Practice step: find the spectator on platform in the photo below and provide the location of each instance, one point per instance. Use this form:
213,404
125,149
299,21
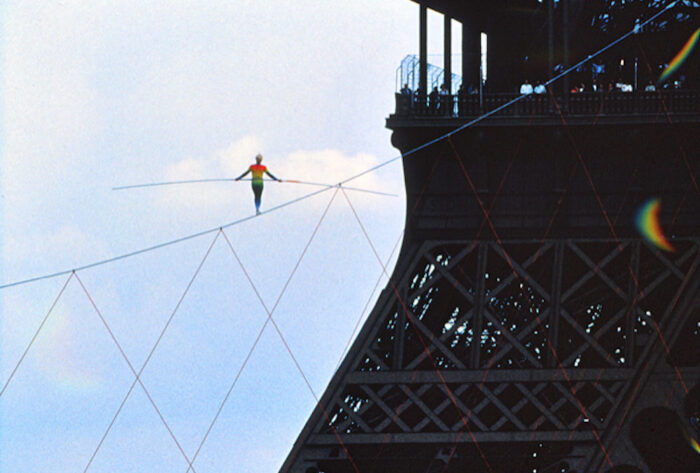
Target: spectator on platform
462,100
419,100
540,88
445,101
526,88
621,86
406,101
433,98
650,87
594,86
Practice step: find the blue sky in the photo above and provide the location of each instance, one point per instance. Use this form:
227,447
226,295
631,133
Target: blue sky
104,93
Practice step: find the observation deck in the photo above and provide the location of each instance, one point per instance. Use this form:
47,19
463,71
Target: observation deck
586,108
607,105
507,42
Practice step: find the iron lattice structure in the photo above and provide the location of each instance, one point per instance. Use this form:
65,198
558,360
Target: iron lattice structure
490,377
527,326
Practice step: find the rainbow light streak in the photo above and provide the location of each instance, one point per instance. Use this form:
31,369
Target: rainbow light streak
691,440
61,360
680,58
695,445
648,225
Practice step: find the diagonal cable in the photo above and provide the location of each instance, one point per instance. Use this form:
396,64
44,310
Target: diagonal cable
160,337
36,334
638,287
131,367
369,301
164,244
268,319
481,228
284,341
473,244
667,114
367,171
542,240
669,119
517,99
647,367
539,322
409,218
448,391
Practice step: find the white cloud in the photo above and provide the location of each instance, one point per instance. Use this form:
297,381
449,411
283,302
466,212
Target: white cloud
328,166
233,157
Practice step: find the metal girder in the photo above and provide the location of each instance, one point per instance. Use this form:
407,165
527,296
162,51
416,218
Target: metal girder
486,376
451,438
412,376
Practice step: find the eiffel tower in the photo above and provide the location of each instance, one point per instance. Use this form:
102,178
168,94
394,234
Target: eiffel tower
527,326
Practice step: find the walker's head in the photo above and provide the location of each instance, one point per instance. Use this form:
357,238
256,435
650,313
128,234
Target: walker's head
258,158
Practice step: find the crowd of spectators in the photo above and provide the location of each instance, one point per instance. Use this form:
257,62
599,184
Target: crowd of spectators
612,86
440,101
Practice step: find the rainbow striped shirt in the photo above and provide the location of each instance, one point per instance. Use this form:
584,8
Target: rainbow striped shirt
257,170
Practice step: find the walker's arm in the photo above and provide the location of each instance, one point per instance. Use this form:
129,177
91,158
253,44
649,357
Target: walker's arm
243,175
273,177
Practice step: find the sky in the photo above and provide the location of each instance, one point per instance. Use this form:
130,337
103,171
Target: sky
102,93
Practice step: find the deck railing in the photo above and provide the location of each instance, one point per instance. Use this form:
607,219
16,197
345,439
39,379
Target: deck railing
584,103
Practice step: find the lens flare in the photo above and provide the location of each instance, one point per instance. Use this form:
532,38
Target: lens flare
62,358
648,225
691,440
680,58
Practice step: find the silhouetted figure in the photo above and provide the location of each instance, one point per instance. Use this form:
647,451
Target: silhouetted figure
445,101
257,170
419,99
433,100
462,100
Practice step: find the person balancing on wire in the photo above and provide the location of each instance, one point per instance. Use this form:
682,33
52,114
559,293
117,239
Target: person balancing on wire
257,170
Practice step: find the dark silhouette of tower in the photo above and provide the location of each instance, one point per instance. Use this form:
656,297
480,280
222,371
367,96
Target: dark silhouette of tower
527,326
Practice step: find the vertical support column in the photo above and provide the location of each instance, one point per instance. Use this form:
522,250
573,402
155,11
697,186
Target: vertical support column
555,308
423,55
448,53
567,85
400,332
550,31
633,294
477,319
471,53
